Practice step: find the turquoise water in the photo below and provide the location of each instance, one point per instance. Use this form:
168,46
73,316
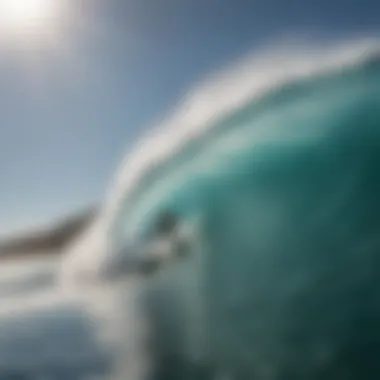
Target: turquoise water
275,176
283,192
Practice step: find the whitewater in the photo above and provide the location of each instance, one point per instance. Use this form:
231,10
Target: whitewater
271,169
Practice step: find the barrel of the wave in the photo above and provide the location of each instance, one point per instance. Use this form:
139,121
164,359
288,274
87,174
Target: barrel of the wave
290,285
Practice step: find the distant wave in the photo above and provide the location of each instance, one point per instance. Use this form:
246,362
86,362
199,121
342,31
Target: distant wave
277,162
22,278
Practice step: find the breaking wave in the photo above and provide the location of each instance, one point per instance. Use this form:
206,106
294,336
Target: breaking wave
275,166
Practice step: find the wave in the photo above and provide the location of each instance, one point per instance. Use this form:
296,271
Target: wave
207,111
275,165
209,107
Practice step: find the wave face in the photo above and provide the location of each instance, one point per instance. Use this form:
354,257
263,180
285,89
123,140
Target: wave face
281,185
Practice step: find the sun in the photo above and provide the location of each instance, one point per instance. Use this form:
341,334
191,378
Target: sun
26,16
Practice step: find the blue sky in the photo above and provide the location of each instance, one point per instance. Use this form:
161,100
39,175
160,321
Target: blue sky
68,112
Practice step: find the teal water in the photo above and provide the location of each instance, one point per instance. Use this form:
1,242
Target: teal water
283,279
280,193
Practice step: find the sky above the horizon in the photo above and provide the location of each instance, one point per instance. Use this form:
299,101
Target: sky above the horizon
82,81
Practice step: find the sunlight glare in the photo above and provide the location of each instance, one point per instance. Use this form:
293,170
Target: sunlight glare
26,16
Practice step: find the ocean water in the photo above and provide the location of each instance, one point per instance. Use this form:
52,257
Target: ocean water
272,170
282,191
43,334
